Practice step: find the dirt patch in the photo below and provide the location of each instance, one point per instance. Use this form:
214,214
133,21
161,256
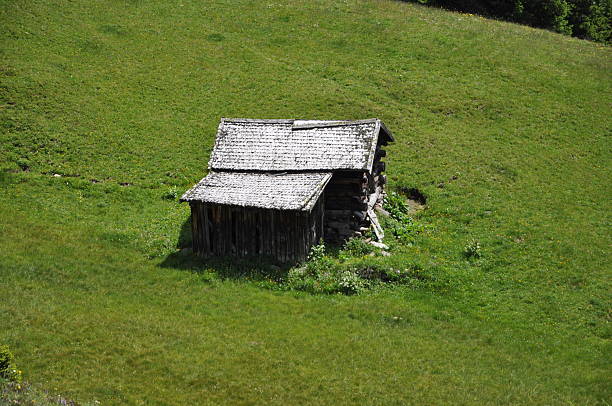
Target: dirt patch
415,199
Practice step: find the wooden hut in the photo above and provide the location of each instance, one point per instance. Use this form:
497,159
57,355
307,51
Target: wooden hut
276,187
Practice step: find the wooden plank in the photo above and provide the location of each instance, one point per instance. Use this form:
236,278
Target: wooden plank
224,247
272,235
220,237
254,238
257,223
222,231
211,231
194,226
216,226
297,237
320,217
347,204
199,234
342,225
214,230
204,229
380,234
275,237
265,226
344,188
246,230
303,242
372,199
291,235
283,235
296,244
238,229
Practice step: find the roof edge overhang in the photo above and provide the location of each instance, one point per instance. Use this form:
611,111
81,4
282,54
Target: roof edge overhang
306,205
311,201
257,120
284,171
237,206
308,124
385,130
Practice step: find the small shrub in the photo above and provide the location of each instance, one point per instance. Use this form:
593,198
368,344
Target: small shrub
472,249
215,37
172,193
13,393
357,247
322,274
395,204
8,369
399,223
24,164
328,274
350,283
317,251
303,279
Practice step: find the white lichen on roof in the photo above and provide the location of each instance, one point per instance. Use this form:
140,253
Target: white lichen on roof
296,145
283,191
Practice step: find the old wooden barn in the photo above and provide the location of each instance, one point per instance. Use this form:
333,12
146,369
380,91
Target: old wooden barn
276,187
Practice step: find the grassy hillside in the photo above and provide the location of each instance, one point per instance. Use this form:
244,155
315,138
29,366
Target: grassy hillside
109,107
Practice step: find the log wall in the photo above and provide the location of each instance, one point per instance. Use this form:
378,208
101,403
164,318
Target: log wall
348,197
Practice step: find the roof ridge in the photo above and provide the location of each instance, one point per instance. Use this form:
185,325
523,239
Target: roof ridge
314,123
257,120
331,123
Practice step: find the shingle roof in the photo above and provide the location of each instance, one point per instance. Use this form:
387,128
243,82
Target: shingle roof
284,191
296,145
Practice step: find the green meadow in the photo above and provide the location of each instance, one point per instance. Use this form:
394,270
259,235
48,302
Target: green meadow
108,112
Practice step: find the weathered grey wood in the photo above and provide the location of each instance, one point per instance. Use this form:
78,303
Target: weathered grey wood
359,214
376,226
195,232
285,213
338,213
204,236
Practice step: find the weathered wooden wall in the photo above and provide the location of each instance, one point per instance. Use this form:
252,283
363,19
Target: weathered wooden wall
348,197
242,231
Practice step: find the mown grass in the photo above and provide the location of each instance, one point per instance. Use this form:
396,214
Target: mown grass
504,128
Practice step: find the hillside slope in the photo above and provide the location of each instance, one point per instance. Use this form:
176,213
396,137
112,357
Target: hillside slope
109,108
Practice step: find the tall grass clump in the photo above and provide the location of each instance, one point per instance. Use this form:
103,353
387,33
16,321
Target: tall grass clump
323,274
8,368
399,222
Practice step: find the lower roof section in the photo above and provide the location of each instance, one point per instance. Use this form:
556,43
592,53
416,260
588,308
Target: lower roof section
281,191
